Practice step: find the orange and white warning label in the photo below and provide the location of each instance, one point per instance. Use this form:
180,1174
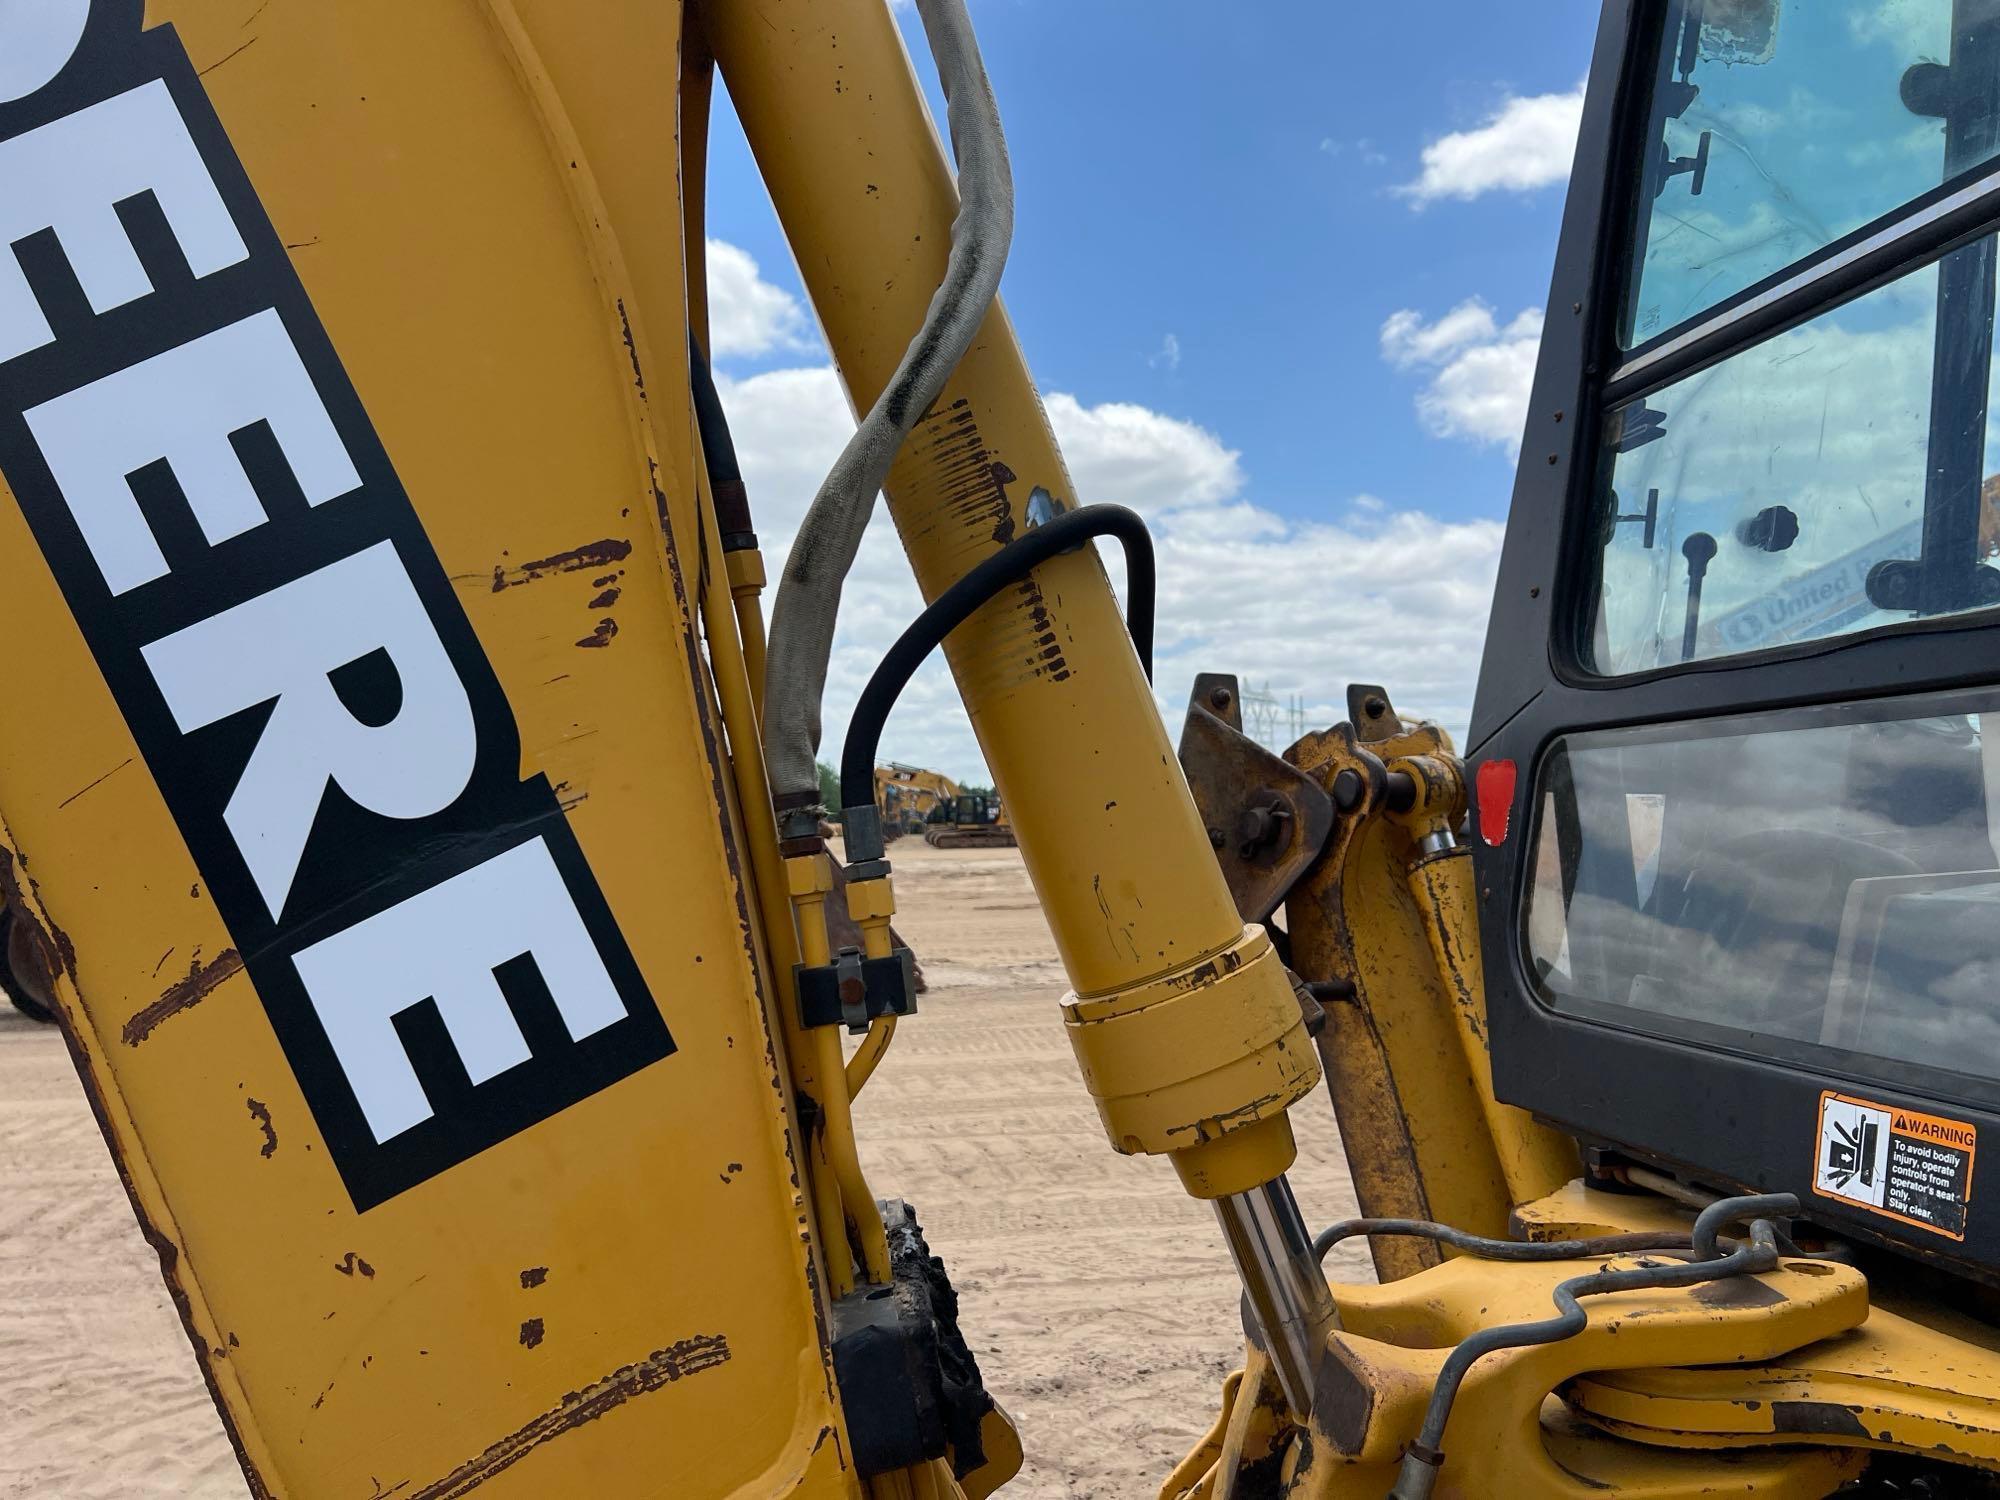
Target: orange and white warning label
1915,1168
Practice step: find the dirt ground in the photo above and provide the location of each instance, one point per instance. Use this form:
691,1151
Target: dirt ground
1096,1295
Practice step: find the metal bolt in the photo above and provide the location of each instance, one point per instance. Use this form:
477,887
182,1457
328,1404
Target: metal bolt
1262,825
1349,786
1215,838
1220,698
1375,707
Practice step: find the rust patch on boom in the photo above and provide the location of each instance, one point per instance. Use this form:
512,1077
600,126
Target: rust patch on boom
598,555
964,484
261,1113
183,994
660,1368
971,482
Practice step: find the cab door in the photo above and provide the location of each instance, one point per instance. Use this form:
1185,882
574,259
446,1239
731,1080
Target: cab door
1739,839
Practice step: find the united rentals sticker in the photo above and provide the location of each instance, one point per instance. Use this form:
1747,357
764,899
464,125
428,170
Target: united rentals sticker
427,938
1914,1168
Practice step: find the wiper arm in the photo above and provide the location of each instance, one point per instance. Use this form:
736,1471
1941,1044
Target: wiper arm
1699,550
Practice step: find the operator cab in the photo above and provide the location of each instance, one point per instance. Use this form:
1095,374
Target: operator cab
969,809
1739,834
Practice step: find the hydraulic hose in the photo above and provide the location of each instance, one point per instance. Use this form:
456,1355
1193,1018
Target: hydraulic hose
718,451
1482,1248
952,608
1424,1458
808,595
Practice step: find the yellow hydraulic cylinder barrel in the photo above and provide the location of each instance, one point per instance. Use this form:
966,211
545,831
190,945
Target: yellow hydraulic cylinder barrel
1534,1159
1191,1015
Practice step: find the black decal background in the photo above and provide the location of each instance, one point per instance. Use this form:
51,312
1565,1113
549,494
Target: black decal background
356,863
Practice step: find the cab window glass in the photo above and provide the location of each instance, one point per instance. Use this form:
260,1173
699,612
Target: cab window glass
1825,880
1825,481
1777,126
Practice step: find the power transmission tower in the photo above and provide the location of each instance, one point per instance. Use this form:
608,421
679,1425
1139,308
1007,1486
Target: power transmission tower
1264,718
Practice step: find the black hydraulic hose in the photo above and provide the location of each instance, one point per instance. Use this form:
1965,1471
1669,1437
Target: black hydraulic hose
717,446
718,451
1424,1458
1509,1250
955,605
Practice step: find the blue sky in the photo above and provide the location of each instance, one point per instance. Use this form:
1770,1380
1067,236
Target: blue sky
1231,238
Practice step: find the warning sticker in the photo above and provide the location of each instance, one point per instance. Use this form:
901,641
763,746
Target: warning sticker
1898,1163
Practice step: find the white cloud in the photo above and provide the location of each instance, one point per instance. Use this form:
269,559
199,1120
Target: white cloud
1290,603
1526,143
1918,28
1168,356
747,315
1479,371
1131,455
1241,588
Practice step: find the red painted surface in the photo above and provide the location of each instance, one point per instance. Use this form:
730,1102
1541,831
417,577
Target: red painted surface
1495,787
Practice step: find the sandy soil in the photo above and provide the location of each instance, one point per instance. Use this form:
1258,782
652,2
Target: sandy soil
1097,1297
100,1398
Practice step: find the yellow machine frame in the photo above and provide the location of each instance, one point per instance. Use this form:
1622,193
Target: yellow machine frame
483,221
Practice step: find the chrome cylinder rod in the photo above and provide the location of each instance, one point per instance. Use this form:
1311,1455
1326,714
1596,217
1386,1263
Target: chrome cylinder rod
1282,1282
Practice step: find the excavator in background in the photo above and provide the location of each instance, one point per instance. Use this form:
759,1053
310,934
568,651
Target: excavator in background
908,796
909,799
970,820
400,666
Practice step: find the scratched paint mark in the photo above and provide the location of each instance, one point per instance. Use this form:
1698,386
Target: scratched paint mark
95,784
973,481
631,349
606,599
601,636
660,1369
533,1277
350,1263
591,555
261,1113
183,994
967,494
531,1333
226,57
